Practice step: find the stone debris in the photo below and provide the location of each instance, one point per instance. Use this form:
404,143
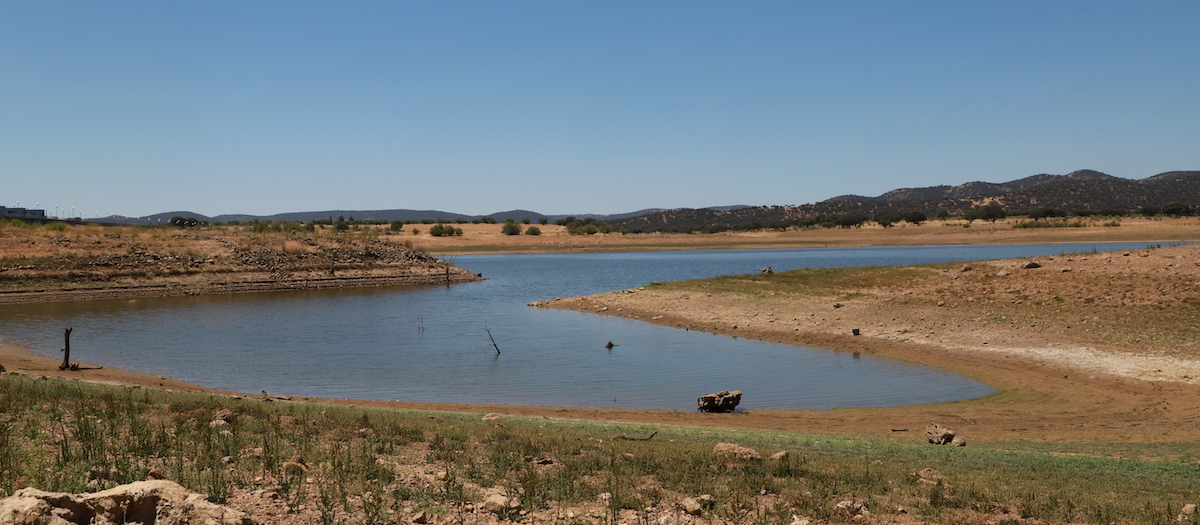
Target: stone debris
733,452
161,502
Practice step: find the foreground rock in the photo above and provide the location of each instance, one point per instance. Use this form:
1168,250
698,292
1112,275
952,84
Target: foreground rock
734,452
939,435
160,502
723,401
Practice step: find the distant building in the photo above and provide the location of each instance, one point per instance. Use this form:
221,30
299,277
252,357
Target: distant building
21,213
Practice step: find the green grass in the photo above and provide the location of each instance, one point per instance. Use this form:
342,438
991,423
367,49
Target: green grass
69,436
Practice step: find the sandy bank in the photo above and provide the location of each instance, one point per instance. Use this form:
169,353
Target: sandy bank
1082,347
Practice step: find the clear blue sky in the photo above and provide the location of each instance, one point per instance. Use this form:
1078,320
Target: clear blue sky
557,106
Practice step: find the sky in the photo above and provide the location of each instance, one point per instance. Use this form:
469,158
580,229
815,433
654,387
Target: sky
572,107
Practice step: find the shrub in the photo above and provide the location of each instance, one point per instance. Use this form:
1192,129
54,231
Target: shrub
533,230
510,228
444,230
397,226
543,221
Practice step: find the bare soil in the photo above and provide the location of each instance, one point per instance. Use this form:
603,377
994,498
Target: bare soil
92,262
1089,346
486,238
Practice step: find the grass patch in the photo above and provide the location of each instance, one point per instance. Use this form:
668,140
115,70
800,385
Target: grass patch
355,465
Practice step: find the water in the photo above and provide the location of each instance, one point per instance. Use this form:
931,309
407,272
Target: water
430,343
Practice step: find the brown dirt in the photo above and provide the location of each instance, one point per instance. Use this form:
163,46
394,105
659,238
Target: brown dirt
82,263
1085,347
486,238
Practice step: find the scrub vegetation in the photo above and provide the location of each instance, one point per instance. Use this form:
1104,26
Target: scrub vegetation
286,462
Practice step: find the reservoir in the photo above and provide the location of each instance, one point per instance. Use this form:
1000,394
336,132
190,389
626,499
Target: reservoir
432,343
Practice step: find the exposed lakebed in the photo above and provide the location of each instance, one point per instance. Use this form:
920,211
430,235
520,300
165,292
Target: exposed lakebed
430,343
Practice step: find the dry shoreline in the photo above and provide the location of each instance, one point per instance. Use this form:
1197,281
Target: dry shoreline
1056,391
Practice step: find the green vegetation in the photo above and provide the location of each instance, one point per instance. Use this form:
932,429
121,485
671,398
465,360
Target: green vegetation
887,219
443,230
358,464
510,228
533,230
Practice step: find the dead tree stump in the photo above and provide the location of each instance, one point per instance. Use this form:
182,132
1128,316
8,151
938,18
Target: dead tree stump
66,364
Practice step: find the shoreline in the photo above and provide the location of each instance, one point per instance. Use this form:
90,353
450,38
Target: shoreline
1043,393
176,289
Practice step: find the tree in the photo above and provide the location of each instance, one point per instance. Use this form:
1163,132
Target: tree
991,213
533,230
510,228
543,221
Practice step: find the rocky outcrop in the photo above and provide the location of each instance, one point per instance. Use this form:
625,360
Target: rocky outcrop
159,501
723,401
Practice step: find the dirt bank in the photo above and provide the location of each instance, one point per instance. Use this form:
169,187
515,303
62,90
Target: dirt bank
82,263
1080,347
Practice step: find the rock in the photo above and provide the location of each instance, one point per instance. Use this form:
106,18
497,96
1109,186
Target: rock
939,435
723,401
1031,265
797,520
495,503
500,503
691,506
161,502
965,268
929,474
780,456
849,507
420,517
732,452
1188,512
491,417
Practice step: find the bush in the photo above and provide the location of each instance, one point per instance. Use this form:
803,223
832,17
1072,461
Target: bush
991,213
397,226
510,228
543,221
533,230
444,230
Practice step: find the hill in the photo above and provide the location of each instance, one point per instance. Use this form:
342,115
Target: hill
1078,190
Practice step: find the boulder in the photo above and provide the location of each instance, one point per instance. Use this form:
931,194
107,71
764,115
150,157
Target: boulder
1031,265
732,452
723,401
939,435
159,501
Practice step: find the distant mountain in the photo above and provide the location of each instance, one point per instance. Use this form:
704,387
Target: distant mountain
1083,189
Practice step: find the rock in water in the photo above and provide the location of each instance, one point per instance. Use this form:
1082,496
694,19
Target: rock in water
723,401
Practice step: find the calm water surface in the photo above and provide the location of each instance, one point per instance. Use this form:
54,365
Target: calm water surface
429,343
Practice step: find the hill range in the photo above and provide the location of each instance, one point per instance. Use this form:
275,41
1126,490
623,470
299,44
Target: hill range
1082,189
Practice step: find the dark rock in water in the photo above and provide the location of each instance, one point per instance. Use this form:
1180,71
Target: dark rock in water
723,401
